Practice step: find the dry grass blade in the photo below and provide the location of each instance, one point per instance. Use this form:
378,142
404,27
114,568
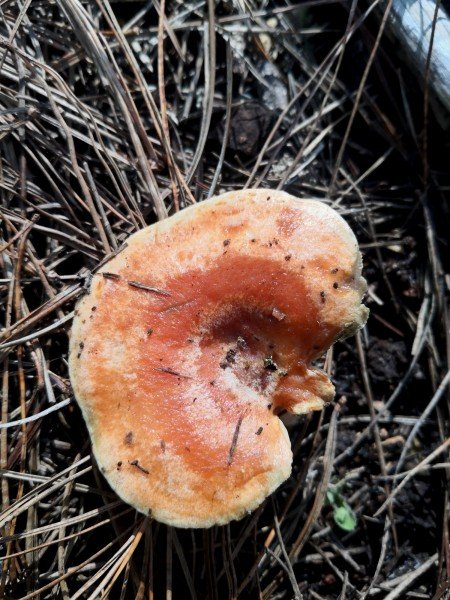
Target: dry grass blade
319,499
210,77
405,584
411,474
37,416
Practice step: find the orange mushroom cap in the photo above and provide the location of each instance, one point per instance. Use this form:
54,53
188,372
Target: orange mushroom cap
197,334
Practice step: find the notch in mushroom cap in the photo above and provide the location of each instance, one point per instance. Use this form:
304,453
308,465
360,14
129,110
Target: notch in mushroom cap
193,339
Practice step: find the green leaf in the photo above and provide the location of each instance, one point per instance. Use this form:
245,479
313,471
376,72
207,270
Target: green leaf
344,517
330,498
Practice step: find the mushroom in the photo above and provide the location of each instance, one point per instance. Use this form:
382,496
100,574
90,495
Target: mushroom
197,335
